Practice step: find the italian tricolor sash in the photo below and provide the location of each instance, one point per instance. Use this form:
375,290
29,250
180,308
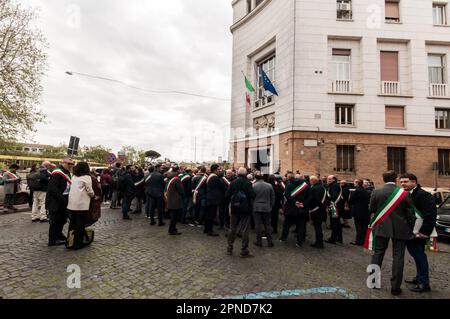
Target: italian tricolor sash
226,181
170,183
195,191
324,199
139,182
13,176
148,177
211,176
432,241
184,178
383,212
67,177
300,188
283,185
333,207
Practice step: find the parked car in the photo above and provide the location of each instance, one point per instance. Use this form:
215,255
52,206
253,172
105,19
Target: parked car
440,194
443,219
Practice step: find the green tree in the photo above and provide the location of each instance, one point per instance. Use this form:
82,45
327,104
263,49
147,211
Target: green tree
95,153
133,156
152,155
23,62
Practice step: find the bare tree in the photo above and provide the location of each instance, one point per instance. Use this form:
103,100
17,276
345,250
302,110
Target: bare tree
23,61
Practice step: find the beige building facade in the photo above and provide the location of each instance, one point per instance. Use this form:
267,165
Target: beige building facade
363,87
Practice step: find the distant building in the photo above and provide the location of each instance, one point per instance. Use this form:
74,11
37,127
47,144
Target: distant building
37,149
363,87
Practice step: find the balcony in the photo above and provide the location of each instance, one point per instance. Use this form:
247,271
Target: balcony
390,88
439,90
341,86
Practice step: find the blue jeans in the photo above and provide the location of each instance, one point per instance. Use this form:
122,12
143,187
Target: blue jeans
416,248
126,204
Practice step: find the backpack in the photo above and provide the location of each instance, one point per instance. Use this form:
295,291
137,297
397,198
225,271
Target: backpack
33,180
239,202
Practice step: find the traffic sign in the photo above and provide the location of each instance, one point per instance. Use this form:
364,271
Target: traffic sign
111,158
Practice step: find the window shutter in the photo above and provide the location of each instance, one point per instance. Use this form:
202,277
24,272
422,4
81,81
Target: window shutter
342,52
389,66
392,10
395,117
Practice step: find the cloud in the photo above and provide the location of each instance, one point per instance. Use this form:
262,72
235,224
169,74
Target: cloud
184,45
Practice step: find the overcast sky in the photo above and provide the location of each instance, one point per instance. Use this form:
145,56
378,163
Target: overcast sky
180,45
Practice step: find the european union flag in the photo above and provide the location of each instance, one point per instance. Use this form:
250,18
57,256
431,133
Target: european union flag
268,86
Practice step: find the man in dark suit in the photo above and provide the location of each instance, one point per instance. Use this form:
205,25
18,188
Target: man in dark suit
155,188
57,200
214,197
241,195
424,202
318,209
174,190
397,226
359,201
126,185
334,192
298,197
199,195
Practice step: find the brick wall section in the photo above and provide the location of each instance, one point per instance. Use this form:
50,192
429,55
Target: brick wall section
370,154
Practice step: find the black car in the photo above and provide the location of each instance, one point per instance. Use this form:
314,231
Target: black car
443,219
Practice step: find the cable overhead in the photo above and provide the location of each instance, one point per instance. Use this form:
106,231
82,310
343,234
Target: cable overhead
147,90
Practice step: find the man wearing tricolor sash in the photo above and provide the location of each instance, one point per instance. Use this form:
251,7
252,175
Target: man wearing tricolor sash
224,208
57,200
186,180
318,209
424,230
12,182
393,218
155,191
334,197
174,194
298,197
199,195
215,194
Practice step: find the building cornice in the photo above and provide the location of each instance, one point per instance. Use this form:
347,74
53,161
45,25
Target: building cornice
249,16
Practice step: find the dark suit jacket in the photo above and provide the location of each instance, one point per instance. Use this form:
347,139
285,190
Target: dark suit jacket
155,186
426,204
317,194
215,191
55,200
175,195
400,223
304,197
359,201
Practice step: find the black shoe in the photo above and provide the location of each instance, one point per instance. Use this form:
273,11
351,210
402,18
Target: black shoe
153,223
412,281
420,288
316,245
330,241
176,233
213,234
161,224
35,220
396,292
355,244
43,221
126,218
339,242
258,243
57,243
246,255
299,245
270,244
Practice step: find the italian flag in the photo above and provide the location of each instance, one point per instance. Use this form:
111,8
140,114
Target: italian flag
298,190
250,89
383,212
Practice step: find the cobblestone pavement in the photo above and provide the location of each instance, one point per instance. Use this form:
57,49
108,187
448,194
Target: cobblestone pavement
136,260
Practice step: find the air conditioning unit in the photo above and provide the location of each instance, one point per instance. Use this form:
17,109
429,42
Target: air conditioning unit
344,6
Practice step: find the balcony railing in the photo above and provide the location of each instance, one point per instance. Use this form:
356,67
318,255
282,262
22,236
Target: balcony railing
439,90
390,88
341,86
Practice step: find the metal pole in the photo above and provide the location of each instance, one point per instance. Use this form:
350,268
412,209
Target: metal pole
195,150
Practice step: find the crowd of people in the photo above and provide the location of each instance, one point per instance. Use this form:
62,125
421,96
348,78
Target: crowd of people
236,201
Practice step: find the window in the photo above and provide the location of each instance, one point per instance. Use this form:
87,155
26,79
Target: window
444,162
341,64
345,158
397,159
395,117
344,10
268,66
439,14
345,115
392,11
442,119
436,68
389,66
249,6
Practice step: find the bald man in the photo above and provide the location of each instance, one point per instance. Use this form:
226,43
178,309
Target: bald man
38,211
318,209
